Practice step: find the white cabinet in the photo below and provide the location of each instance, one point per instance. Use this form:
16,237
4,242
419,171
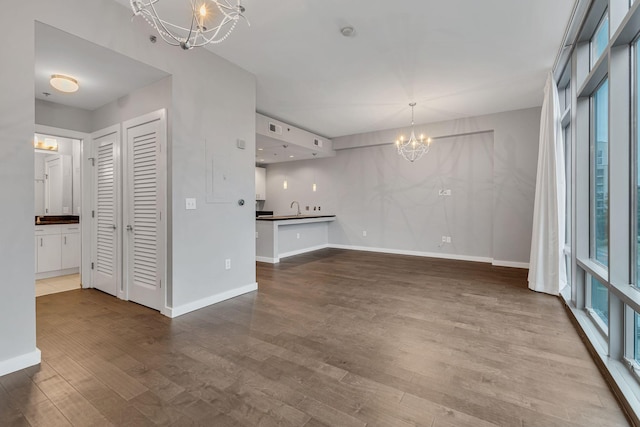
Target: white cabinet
70,253
261,183
48,252
57,249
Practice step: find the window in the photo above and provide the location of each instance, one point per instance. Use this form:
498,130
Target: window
600,176
636,181
636,337
567,170
600,39
600,300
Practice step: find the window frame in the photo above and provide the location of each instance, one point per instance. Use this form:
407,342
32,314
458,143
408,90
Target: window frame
593,158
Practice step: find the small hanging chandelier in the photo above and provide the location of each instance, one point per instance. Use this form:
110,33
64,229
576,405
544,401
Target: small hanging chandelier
413,148
207,25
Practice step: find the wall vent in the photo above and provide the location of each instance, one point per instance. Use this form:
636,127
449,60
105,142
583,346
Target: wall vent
317,142
274,128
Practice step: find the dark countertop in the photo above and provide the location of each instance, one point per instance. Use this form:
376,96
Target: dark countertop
288,217
57,219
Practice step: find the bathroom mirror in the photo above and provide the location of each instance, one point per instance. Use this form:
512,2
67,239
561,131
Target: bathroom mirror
54,184
55,179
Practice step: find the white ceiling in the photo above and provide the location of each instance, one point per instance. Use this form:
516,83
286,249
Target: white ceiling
103,74
455,58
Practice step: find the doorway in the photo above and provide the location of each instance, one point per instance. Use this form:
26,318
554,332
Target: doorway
57,210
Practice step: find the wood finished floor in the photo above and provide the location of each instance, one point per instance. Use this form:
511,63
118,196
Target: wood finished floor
333,338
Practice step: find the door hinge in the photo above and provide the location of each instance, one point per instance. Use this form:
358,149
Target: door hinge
93,161
160,283
93,214
92,266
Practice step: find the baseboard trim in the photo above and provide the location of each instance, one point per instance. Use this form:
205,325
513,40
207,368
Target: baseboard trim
267,259
56,273
303,251
415,253
20,362
615,373
511,264
205,302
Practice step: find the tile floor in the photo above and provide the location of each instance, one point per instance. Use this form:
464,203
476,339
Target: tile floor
54,285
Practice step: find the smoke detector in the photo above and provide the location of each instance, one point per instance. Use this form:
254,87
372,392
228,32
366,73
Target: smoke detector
348,31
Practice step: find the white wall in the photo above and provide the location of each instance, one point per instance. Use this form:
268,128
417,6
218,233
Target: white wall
152,97
62,116
490,168
213,103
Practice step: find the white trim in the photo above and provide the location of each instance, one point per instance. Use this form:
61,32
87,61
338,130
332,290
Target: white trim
457,257
624,380
61,132
20,362
205,302
512,264
414,253
267,259
56,273
303,251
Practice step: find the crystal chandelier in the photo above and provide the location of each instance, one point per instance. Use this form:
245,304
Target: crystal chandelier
211,21
413,148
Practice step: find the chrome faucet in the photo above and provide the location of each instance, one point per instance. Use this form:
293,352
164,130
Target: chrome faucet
295,202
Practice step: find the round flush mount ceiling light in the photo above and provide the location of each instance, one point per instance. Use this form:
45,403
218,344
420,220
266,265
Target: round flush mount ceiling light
64,83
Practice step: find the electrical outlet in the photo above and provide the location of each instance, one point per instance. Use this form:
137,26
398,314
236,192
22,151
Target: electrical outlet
257,235
448,239
444,192
314,208
444,239
307,208
227,264
318,207
190,203
297,235
364,233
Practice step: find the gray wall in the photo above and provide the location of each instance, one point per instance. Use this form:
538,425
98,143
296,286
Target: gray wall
141,101
213,104
490,168
62,116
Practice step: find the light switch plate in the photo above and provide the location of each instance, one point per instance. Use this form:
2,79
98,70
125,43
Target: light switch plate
190,203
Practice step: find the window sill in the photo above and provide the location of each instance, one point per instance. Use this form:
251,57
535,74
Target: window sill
619,376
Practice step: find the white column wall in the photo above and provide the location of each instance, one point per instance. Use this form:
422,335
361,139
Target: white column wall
213,104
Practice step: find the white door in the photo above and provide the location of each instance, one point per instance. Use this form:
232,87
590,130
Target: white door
53,185
144,195
106,225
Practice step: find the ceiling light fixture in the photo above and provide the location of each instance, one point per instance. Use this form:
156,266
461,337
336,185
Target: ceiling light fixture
207,25
413,148
64,83
49,144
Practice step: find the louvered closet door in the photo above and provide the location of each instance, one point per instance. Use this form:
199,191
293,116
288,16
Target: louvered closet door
106,245
144,234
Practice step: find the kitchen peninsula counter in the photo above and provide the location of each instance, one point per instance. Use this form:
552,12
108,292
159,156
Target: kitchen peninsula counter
281,236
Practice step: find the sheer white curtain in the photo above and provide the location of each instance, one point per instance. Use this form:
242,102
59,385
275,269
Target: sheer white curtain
547,269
